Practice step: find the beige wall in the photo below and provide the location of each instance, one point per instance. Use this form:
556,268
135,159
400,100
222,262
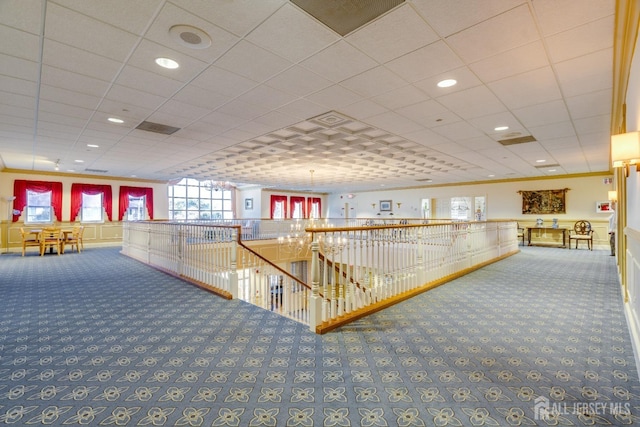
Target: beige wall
108,233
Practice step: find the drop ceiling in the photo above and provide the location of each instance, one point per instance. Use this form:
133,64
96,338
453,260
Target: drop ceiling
279,99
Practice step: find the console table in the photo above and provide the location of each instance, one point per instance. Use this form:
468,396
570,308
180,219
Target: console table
545,230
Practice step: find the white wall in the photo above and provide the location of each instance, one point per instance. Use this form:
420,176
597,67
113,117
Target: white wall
502,198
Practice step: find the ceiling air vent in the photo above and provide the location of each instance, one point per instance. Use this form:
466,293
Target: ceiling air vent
157,128
555,165
95,170
519,140
345,16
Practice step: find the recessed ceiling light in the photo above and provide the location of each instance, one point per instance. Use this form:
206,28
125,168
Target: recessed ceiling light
499,128
167,63
447,83
491,176
115,120
540,161
93,145
551,170
79,161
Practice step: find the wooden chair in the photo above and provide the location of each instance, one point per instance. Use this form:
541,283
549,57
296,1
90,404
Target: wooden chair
29,238
50,238
582,231
75,238
520,233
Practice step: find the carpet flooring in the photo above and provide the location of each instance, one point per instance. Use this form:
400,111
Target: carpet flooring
97,338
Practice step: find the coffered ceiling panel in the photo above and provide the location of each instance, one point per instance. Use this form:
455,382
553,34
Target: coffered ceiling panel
264,93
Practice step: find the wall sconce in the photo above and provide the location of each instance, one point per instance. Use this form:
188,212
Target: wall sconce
399,204
625,151
373,205
613,195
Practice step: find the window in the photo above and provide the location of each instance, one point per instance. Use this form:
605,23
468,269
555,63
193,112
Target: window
313,207
194,200
91,208
278,207
39,201
141,197
89,202
297,207
39,207
136,212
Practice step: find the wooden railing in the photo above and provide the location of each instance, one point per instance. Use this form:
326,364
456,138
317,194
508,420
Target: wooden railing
353,270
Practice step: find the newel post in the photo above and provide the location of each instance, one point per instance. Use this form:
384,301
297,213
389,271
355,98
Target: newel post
233,268
315,301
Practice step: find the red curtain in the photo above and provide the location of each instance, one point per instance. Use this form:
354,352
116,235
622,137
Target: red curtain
293,201
20,188
125,192
278,199
92,189
314,200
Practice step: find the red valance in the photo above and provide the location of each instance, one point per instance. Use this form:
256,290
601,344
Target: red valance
77,190
125,192
20,188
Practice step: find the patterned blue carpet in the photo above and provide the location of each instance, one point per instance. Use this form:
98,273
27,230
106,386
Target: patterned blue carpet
99,339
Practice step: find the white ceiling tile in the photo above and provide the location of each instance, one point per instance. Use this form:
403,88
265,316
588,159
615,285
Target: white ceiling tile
223,82
557,16
124,14
427,61
267,97
238,16
298,81
72,81
373,82
592,124
17,67
586,74
201,97
334,97
18,100
581,40
147,81
17,86
65,96
339,62
129,96
363,109
534,87
503,32
79,61
176,108
146,52
401,97
538,114
23,44
553,130
87,33
172,15
464,76
252,62
457,131
23,15
393,35
393,122
292,34
474,102
515,61
451,17
589,105
65,110
423,112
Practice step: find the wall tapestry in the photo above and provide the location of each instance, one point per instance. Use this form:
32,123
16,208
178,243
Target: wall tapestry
544,201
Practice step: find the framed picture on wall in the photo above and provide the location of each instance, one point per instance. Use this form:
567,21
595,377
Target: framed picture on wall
603,207
248,204
385,205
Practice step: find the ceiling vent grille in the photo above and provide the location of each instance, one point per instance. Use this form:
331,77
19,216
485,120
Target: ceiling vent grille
519,140
555,165
157,128
96,170
345,16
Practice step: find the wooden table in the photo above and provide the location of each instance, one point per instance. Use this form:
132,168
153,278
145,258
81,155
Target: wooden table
65,236
545,230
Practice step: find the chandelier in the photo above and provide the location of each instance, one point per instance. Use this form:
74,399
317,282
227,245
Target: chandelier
217,185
